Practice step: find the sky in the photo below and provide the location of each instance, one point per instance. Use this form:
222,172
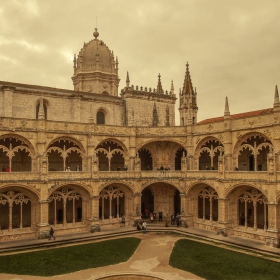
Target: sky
232,47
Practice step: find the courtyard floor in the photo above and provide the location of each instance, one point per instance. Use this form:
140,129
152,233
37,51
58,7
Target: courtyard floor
150,259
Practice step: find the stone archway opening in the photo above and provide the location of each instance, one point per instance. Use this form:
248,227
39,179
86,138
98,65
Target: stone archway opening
249,208
17,209
111,156
161,198
68,206
64,153
115,201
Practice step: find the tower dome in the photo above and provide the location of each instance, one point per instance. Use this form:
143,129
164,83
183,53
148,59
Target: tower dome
95,68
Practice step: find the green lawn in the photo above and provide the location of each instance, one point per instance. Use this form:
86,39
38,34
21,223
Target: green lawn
216,263
57,261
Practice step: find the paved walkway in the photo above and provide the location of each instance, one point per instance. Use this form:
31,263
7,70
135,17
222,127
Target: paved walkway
151,257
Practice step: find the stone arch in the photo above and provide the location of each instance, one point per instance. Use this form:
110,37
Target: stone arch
161,196
86,190
127,185
69,204
207,152
115,200
112,155
250,152
248,207
140,144
163,153
64,152
146,159
147,184
17,153
19,208
203,202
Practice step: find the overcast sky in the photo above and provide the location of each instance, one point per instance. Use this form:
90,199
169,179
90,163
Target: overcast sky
233,47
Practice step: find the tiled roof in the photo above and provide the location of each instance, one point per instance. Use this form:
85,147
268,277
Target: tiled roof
238,116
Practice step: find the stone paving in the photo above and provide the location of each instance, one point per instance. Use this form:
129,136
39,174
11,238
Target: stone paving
151,259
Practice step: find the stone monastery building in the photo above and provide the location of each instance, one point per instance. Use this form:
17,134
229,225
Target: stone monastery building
67,152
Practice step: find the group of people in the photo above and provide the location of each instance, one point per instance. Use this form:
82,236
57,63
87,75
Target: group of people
163,168
6,169
142,226
125,168
175,219
77,168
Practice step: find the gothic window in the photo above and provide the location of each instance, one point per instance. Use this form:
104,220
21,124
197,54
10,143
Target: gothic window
100,117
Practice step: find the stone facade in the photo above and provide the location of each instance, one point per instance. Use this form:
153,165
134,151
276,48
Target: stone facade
78,159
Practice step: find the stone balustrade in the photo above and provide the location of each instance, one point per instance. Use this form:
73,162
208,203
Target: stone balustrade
11,177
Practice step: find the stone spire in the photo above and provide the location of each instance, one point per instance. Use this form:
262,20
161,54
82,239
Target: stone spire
41,113
172,87
117,64
159,86
276,95
155,116
75,62
127,80
226,113
187,86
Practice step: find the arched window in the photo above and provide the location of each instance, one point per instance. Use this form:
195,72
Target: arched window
37,110
100,118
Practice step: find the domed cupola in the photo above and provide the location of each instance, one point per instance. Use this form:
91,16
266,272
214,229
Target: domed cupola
95,68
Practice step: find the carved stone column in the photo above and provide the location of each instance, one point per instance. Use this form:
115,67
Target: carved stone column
94,224
221,166
132,153
137,205
43,167
43,225
273,238
184,163
224,225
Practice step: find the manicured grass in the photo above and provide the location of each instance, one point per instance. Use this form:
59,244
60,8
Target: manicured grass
215,263
69,259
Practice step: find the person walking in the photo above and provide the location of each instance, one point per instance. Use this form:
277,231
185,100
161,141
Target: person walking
178,218
144,226
51,233
173,220
123,221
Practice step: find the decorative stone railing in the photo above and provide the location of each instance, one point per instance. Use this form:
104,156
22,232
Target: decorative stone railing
11,177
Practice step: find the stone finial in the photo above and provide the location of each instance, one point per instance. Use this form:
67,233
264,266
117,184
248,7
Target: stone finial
41,113
127,80
75,61
172,87
159,86
276,96
95,33
227,112
117,63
